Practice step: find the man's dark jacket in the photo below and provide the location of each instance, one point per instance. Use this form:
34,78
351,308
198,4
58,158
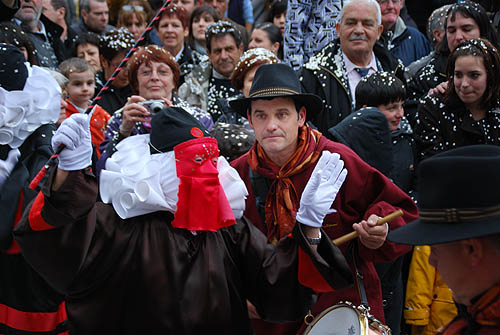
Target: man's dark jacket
323,76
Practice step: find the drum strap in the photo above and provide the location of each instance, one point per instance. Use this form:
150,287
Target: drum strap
353,250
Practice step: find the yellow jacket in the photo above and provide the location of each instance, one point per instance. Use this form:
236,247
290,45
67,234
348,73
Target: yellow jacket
429,304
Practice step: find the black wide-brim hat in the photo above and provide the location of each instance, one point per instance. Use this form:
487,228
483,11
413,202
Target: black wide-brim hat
459,197
277,81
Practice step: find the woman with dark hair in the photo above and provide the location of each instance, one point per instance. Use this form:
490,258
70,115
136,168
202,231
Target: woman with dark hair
469,112
201,18
172,27
86,46
268,36
465,20
11,33
153,75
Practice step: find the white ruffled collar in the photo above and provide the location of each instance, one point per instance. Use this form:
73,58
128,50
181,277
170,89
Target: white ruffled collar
136,182
22,112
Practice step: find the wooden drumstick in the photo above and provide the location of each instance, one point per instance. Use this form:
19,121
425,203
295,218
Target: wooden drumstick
352,235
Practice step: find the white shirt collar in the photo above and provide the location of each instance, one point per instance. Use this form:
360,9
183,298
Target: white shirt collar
354,77
350,66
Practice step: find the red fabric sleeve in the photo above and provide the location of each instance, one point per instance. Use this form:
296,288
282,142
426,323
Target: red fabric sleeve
32,321
309,276
36,221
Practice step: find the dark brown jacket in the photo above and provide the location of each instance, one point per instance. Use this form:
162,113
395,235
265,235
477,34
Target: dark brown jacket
142,276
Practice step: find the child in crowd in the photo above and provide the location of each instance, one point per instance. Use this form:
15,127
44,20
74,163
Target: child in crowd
386,92
80,89
382,93
426,292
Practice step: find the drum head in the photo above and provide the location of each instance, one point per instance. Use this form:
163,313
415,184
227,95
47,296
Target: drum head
339,320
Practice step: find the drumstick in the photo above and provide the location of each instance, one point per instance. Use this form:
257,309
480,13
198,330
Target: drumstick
352,235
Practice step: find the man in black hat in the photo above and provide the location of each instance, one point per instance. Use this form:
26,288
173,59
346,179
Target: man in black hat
459,211
171,254
280,164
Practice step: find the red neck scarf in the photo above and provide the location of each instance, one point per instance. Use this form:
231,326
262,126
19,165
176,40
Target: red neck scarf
282,201
485,312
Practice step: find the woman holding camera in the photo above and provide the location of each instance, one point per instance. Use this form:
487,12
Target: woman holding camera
153,75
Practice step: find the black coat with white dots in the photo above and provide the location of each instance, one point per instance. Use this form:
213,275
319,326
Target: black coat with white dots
440,127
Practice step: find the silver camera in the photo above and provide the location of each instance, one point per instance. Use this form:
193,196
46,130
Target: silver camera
154,106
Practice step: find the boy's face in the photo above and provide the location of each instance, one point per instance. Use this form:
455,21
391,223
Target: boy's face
393,112
80,88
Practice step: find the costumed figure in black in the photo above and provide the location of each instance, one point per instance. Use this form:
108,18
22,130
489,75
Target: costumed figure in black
171,252
29,107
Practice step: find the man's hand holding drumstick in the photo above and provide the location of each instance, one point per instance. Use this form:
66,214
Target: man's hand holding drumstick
372,232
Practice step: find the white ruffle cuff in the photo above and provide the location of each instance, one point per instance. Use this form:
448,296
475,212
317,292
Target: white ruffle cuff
22,112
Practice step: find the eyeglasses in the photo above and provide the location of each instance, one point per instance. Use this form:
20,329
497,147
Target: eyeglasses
385,2
128,8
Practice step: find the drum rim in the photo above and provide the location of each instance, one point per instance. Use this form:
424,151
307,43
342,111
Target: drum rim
363,320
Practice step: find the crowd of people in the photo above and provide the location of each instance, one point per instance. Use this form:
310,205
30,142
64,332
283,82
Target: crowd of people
184,166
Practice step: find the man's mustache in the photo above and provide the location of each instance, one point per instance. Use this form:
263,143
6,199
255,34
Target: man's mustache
358,38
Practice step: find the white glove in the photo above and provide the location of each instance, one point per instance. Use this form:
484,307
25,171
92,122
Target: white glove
74,133
321,190
7,165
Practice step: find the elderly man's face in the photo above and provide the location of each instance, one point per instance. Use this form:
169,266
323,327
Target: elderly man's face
98,16
358,29
390,12
224,54
29,11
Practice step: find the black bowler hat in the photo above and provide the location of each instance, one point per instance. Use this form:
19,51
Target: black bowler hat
459,197
277,81
13,72
172,126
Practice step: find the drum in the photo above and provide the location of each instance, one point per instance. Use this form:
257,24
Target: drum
345,319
